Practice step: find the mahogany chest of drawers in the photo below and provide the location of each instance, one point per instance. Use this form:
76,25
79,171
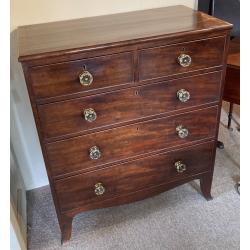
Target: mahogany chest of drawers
126,105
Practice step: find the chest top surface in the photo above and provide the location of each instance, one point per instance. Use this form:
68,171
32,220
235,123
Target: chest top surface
116,29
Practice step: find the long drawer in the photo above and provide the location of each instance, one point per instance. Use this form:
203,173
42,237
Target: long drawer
89,151
99,72
180,58
74,116
123,179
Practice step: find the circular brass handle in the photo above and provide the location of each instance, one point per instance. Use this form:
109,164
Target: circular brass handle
184,60
183,95
180,166
90,115
94,153
86,78
99,189
181,131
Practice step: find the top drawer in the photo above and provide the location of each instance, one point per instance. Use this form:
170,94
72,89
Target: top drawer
163,61
63,78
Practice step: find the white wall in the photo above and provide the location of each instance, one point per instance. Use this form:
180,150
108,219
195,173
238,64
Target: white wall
18,195
14,244
23,133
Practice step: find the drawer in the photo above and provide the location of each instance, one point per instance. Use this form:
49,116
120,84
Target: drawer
163,61
127,178
73,116
63,78
114,145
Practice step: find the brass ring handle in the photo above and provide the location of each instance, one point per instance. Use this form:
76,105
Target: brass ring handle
180,166
184,60
89,115
183,95
94,153
86,78
99,189
181,131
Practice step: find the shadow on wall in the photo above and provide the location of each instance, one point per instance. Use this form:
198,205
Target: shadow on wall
23,135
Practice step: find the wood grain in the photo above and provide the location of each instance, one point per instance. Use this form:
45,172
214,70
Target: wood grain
73,35
71,155
232,81
63,78
162,61
66,118
233,58
79,190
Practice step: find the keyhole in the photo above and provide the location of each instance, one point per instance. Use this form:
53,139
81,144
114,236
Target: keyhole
183,49
136,92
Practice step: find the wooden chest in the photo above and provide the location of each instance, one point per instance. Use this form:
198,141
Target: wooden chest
126,105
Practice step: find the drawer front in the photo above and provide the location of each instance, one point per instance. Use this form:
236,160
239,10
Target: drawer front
63,78
71,117
120,143
123,179
163,61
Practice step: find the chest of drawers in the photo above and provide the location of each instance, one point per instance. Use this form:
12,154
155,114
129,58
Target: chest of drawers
126,105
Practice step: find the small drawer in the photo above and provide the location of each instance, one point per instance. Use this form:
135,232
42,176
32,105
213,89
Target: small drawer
84,75
96,186
180,58
97,149
88,113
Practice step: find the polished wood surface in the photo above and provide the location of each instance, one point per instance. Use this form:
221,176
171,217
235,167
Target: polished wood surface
144,173
46,39
64,119
161,61
63,78
130,141
67,216
133,60
233,58
232,82
232,86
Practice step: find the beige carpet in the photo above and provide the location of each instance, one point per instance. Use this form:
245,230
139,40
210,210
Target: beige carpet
180,219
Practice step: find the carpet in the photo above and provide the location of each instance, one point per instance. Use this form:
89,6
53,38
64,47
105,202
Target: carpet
179,219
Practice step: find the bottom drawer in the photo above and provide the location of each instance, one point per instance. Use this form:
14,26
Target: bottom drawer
99,185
